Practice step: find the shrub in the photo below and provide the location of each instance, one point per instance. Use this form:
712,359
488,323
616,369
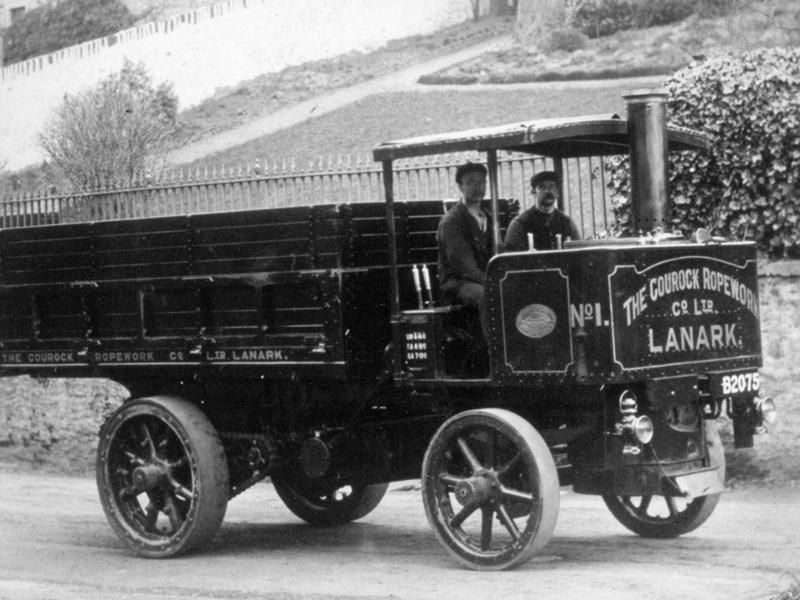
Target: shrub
715,8
597,18
113,133
567,39
748,184
54,26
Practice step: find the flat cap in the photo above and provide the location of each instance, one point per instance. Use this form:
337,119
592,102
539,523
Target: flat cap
543,176
469,167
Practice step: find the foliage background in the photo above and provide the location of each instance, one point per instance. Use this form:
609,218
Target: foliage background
54,26
748,185
597,18
113,133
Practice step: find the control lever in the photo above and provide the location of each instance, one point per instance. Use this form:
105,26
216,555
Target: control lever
426,280
417,286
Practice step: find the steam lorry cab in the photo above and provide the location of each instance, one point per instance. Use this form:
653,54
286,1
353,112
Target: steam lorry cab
309,345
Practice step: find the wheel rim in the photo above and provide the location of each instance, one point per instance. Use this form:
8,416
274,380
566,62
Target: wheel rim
336,497
332,502
658,516
151,478
660,511
491,494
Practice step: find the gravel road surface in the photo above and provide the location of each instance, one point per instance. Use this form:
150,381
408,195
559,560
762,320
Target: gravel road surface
56,545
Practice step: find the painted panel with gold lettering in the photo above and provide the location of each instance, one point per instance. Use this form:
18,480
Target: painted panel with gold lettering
689,309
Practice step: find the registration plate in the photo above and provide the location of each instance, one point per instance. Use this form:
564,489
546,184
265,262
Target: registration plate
736,383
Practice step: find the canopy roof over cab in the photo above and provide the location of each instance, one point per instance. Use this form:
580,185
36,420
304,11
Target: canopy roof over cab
592,135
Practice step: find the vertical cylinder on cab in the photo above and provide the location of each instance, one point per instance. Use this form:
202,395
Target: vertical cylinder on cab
647,111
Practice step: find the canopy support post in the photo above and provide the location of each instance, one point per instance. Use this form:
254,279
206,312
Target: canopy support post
491,156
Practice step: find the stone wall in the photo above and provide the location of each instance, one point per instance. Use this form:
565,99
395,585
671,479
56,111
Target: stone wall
776,456
52,424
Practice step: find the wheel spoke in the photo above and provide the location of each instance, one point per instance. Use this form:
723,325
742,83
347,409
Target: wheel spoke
468,454
147,439
507,467
508,522
450,480
133,458
490,454
181,491
171,510
515,494
151,512
643,506
462,515
486,527
128,492
177,464
672,505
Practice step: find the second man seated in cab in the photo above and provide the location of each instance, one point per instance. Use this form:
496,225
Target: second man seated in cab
543,220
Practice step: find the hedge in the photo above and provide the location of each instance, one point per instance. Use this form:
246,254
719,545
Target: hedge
603,17
55,26
748,185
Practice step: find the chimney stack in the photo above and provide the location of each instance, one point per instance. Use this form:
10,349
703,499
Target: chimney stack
648,146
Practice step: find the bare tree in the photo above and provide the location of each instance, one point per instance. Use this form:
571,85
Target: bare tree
112,133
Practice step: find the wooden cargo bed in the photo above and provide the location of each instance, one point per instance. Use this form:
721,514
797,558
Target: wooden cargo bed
284,289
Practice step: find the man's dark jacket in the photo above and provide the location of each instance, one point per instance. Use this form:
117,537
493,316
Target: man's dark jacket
464,250
544,228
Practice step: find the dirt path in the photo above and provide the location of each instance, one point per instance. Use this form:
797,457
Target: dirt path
403,80
314,107
56,545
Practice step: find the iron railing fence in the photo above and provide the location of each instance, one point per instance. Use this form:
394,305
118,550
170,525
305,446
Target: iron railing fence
331,181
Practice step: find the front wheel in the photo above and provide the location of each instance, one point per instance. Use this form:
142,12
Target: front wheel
490,489
162,476
657,516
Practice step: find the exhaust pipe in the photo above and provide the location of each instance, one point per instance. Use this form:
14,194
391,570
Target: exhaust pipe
647,121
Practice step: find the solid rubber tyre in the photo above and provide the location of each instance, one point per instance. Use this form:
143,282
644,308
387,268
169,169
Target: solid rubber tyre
490,465
162,476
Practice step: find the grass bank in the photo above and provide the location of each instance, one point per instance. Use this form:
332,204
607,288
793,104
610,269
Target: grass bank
357,128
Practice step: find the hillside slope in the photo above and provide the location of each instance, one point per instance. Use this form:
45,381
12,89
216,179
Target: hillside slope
656,52
199,58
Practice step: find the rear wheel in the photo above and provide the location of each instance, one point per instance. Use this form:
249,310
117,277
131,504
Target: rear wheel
657,516
326,503
162,476
490,489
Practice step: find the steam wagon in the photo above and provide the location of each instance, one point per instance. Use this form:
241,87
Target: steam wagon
310,345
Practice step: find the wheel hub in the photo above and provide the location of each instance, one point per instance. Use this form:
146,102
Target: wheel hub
147,477
477,489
